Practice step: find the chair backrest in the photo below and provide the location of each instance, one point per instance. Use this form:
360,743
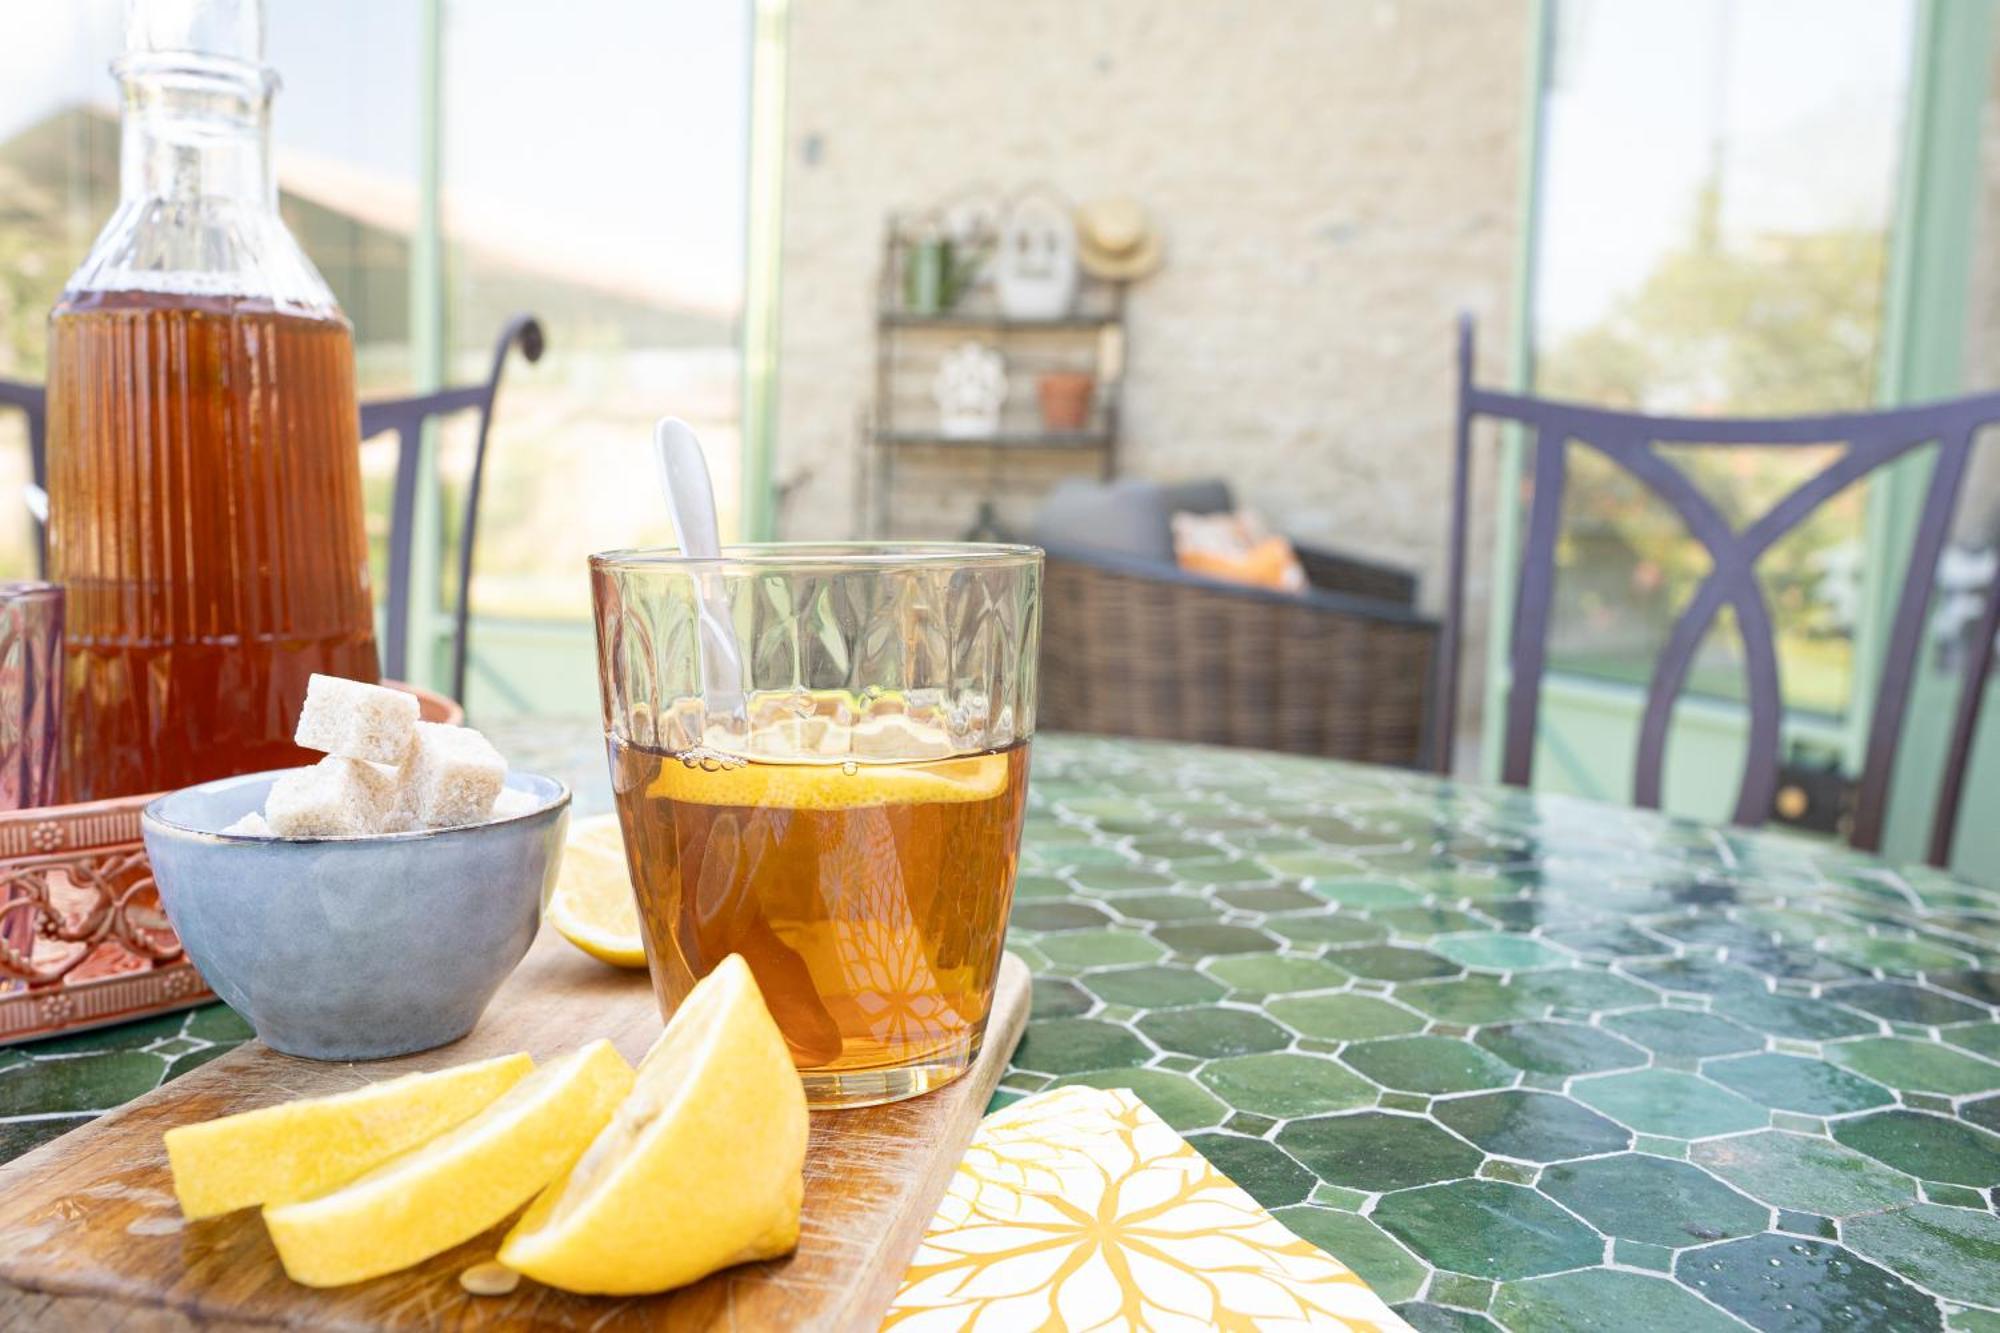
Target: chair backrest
32,402
405,417
1872,440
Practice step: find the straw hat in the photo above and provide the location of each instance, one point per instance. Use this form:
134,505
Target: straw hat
1116,240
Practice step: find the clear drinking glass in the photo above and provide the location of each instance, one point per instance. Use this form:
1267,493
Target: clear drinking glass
820,758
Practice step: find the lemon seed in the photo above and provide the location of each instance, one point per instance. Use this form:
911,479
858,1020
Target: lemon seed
489,1279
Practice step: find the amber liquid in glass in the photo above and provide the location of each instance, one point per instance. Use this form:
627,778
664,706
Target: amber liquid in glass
870,899
206,522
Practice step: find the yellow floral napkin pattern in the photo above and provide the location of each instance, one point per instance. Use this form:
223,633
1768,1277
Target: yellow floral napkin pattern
1080,1209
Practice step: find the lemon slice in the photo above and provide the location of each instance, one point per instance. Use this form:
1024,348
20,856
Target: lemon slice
833,786
458,1184
703,1166
592,906
279,1154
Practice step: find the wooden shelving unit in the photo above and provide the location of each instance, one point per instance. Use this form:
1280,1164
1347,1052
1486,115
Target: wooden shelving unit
903,419
967,319
1094,440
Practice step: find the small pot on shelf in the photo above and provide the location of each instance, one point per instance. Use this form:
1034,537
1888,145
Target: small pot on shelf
1065,397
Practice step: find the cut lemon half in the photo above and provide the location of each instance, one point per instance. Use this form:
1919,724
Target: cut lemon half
828,785
280,1154
703,1166
592,906
458,1184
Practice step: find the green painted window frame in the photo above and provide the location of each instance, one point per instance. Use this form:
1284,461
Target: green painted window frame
763,267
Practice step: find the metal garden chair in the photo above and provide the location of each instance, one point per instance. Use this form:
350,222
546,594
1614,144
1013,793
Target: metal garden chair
406,417
1872,439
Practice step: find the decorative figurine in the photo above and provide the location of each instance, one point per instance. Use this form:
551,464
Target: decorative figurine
971,385
1035,273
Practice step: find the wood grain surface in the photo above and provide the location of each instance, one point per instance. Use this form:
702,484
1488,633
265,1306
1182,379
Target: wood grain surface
91,1238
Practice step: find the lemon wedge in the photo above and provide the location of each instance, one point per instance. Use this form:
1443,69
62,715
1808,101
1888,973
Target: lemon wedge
833,786
592,906
700,1168
458,1184
280,1154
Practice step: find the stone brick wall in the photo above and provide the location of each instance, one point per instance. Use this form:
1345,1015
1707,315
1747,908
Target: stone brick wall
1335,180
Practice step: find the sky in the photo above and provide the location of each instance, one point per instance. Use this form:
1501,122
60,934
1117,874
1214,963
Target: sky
606,138
1805,97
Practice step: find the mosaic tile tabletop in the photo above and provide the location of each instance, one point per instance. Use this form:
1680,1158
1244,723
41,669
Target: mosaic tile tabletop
1520,1061
1527,1061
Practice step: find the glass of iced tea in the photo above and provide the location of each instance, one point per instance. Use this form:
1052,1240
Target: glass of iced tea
820,759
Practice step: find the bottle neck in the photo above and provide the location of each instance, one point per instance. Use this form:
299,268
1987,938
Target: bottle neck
196,131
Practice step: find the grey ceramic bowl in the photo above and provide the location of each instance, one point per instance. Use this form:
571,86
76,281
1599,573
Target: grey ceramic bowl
353,948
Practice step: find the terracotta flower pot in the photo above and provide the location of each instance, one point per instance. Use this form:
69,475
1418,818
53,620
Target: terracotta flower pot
1065,397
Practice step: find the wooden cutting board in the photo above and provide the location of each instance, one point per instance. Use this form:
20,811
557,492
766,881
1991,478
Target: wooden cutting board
91,1238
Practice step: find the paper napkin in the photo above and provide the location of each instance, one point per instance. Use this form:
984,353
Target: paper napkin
1080,1209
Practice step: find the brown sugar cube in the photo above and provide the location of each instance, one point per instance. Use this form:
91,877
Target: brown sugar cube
334,798
511,803
357,721
452,777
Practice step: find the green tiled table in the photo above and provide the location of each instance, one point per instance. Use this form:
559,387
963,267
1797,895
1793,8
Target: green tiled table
1519,1060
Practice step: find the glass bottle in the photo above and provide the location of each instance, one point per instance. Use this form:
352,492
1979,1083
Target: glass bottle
204,469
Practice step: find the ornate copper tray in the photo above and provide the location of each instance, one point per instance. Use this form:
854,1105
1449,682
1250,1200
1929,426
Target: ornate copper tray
83,940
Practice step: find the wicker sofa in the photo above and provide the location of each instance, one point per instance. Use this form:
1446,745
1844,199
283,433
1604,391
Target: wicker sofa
1133,646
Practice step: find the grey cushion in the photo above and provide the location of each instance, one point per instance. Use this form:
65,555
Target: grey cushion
1209,496
1121,517
1130,517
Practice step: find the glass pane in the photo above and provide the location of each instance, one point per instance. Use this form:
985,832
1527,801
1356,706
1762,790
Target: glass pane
58,182
1715,206
348,132
600,185
1971,560
58,165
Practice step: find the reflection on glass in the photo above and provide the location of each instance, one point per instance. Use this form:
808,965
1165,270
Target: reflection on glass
1715,203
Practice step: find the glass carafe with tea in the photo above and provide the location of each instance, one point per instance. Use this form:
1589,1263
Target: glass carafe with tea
204,471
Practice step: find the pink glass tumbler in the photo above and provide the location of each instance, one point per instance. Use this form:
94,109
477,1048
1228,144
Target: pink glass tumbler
31,631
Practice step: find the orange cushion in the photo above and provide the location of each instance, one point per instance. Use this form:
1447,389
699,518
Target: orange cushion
1270,563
